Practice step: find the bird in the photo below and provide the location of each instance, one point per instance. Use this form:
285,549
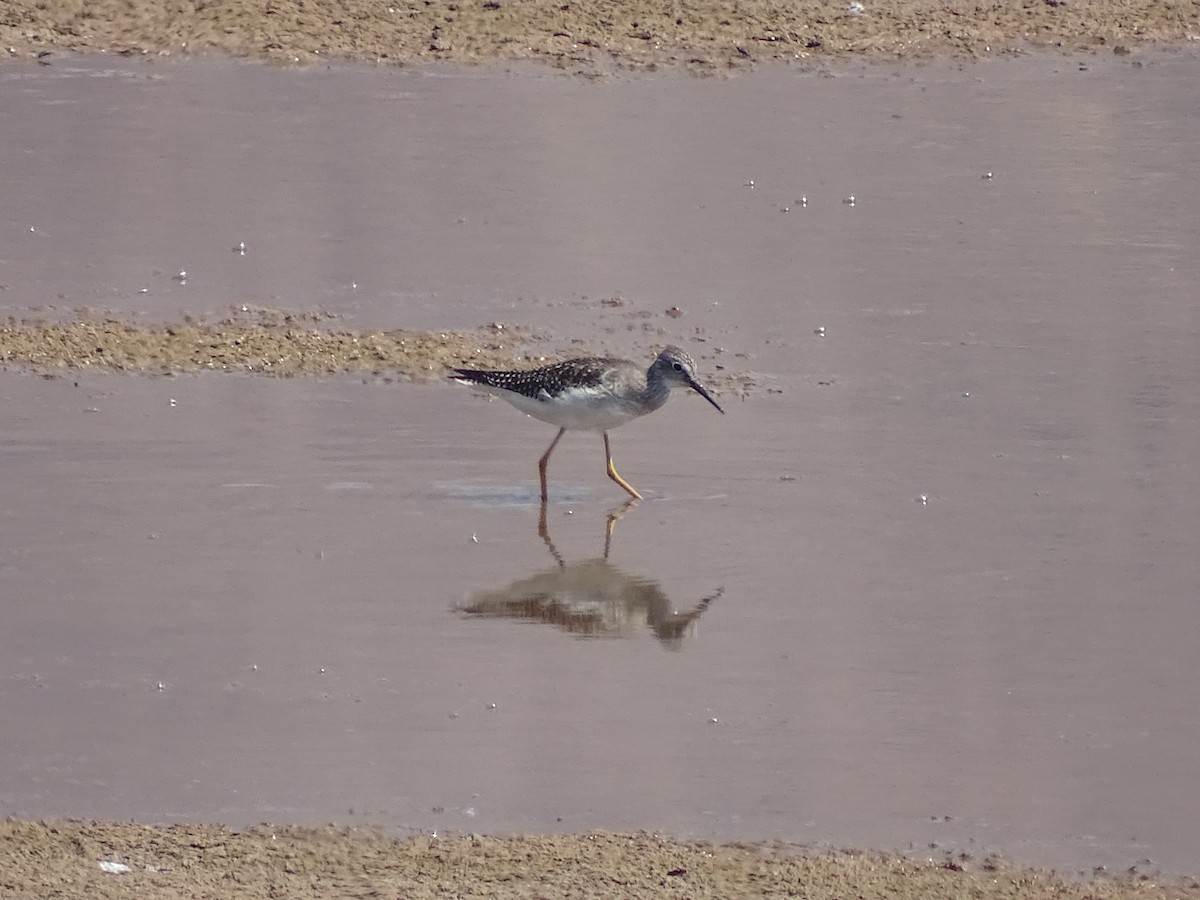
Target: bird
591,393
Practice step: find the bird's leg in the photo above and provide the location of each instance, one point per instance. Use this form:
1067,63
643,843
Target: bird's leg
546,458
612,472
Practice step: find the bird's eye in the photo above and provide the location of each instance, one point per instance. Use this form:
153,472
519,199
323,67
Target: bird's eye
678,366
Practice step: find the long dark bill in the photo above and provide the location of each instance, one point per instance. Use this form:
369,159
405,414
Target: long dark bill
699,389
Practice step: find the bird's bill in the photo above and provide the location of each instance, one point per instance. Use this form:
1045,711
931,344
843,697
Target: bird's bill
699,389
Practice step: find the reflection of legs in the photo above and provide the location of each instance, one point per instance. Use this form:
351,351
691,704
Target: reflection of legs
544,534
546,458
612,470
613,518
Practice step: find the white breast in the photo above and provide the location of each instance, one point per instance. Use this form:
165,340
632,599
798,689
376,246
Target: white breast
574,410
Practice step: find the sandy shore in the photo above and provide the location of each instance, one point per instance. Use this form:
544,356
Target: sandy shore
184,861
590,38
262,342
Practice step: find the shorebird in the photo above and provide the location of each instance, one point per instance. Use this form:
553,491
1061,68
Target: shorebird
591,394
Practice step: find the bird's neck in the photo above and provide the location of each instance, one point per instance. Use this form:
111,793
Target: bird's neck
656,391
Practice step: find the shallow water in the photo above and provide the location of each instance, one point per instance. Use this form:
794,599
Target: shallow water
955,533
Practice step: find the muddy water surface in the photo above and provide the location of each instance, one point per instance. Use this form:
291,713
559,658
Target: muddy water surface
955,531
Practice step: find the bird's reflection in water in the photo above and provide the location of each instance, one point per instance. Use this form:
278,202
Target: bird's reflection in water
591,598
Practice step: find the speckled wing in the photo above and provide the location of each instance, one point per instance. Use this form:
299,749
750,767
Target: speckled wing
543,383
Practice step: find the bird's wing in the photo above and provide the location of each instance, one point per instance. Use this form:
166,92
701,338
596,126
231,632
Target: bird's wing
541,383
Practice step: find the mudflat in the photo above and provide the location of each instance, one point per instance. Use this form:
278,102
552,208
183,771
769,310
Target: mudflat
73,859
593,36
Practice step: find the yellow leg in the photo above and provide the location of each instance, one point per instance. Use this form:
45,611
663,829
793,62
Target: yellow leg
545,459
612,471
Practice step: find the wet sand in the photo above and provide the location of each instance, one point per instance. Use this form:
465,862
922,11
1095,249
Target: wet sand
595,37
263,342
183,861
63,859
